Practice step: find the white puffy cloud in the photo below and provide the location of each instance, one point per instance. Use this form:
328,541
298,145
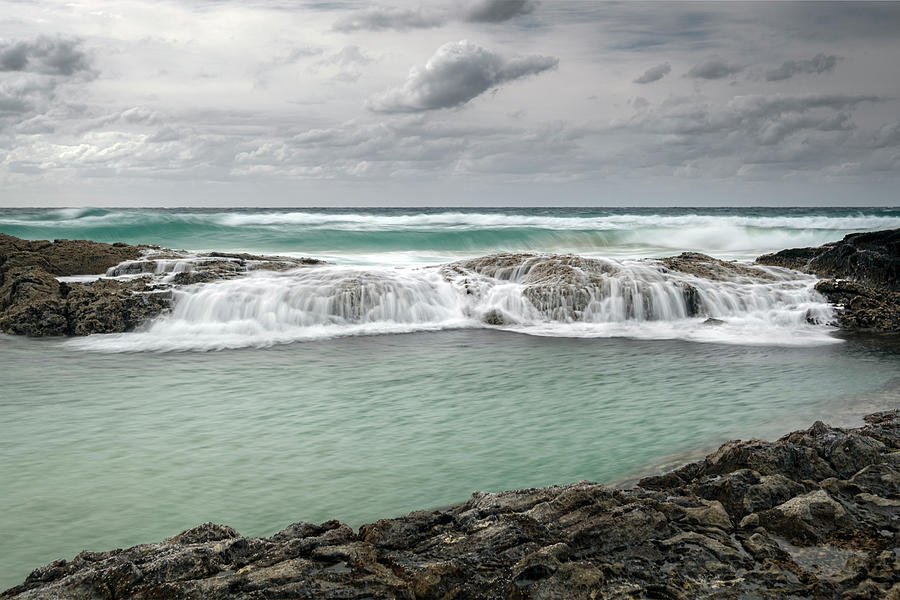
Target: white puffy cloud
457,73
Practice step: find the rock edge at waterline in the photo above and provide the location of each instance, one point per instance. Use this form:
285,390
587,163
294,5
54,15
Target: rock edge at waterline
815,514
34,302
862,274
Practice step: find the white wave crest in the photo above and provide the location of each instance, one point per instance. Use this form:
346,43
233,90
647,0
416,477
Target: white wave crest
620,222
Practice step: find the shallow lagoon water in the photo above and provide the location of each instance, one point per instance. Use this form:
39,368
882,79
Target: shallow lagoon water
108,450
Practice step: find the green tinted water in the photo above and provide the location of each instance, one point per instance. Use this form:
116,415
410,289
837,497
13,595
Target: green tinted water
108,450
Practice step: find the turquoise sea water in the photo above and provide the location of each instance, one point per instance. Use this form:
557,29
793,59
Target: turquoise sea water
108,448
433,234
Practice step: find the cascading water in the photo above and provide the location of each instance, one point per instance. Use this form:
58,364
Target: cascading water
561,295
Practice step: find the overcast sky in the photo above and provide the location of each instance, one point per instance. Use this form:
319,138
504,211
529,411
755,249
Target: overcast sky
464,102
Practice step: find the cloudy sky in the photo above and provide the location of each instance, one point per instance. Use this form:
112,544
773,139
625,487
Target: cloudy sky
457,102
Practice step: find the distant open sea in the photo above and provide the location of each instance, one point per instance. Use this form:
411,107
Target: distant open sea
250,406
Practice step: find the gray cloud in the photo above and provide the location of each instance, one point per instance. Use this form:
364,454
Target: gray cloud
348,55
820,63
296,54
654,73
714,68
45,55
388,18
751,135
401,19
24,95
457,73
497,11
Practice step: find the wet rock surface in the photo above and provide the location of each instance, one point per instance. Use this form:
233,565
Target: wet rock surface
864,277
34,302
815,514
707,267
63,257
871,258
863,307
566,287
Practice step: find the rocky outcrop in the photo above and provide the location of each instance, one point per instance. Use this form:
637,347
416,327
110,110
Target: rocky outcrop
63,257
35,303
863,272
863,307
566,287
139,284
815,514
707,267
872,259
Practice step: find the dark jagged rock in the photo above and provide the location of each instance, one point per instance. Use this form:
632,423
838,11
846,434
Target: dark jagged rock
35,303
870,300
871,258
31,304
863,307
815,514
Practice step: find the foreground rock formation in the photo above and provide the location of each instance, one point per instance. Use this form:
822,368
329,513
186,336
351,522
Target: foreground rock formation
34,302
815,514
863,277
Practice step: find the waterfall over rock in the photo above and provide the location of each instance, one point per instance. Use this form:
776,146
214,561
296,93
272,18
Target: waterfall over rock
543,294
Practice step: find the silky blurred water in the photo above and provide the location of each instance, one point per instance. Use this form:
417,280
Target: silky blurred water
100,451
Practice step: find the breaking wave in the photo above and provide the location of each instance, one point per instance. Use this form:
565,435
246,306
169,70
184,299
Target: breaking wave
440,235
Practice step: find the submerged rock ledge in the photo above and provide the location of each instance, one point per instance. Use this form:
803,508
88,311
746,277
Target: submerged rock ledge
815,514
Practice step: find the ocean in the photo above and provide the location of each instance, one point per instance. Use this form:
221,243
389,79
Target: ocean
271,399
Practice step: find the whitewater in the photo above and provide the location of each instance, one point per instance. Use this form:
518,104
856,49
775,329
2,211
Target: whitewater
567,273
433,235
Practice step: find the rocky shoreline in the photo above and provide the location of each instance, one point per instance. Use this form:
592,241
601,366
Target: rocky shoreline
815,514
